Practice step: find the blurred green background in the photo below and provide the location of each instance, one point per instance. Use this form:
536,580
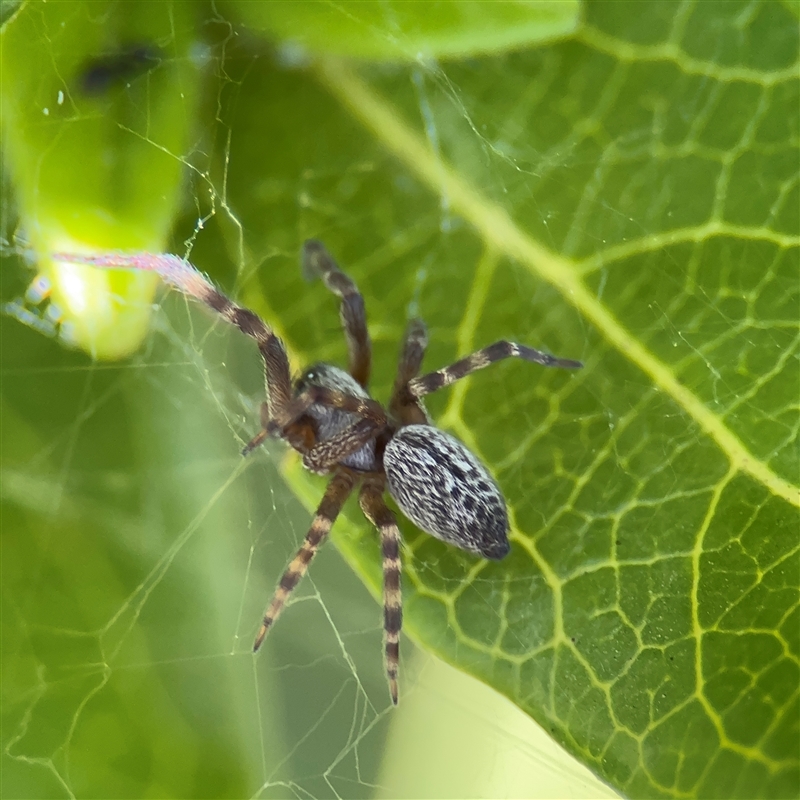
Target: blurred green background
616,187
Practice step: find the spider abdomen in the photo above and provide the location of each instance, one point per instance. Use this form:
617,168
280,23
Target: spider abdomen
444,490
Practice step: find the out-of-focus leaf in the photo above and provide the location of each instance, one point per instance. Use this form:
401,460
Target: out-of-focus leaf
408,30
98,104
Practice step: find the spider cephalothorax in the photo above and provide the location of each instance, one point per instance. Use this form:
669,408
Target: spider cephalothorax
328,416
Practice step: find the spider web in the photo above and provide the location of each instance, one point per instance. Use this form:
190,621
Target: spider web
145,548
195,556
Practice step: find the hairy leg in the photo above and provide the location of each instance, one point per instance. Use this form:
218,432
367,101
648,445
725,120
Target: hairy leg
338,490
419,387
317,261
322,456
333,398
403,406
373,506
183,276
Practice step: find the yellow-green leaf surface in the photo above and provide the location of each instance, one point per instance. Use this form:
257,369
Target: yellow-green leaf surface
627,196
408,30
98,104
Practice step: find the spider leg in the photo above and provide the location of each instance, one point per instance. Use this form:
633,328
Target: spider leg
299,434
331,451
425,384
277,375
403,406
376,510
335,495
332,398
289,426
317,261
180,274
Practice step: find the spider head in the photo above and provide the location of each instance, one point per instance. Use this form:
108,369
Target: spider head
328,376
329,421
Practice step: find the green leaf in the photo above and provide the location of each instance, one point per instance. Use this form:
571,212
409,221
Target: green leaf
627,197
98,101
409,30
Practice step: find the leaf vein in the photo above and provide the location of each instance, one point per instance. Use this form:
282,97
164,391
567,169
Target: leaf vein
497,228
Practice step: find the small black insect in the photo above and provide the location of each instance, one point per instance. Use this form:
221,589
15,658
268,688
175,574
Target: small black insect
328,416
101,73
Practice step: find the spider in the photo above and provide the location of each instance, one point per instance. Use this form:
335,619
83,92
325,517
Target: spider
329,417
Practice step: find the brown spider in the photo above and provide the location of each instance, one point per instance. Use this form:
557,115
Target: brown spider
328,416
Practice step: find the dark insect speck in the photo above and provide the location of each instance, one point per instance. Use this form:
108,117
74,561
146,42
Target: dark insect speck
100,74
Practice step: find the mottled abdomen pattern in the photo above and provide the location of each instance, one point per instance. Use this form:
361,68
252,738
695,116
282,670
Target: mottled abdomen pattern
444,490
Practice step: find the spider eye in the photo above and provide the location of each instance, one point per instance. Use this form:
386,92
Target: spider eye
444,490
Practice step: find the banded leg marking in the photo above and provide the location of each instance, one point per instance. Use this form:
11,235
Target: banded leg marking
365,408
276,363
179,273
403,406
317,261
419,387
335,495
371,500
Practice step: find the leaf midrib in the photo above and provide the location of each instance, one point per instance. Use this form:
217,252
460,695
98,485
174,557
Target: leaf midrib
498,230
